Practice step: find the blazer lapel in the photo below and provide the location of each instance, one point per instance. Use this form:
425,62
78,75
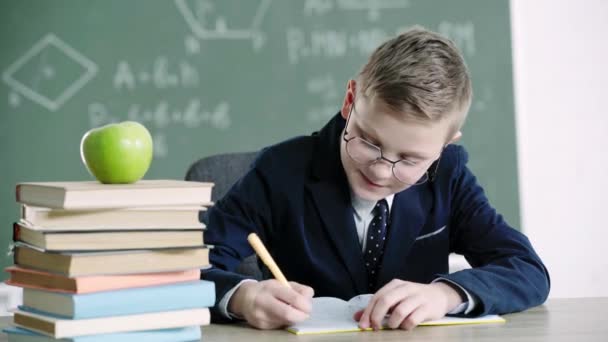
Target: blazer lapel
337,216
331,196
408,215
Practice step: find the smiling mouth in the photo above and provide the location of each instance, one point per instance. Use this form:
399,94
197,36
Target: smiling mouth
368,181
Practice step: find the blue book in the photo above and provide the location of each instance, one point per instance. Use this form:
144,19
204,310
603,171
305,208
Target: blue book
182,296
192,333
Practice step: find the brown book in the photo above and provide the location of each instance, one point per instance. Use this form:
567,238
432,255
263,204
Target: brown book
60,327
28,278
106,240
74,264
95,195
145,218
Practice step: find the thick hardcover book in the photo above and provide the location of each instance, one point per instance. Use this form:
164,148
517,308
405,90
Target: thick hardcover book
197,294
95,195
61,328
74,264
106,240
29,278
137,218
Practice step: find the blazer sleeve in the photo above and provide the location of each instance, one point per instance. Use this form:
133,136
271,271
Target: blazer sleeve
243,210
507,274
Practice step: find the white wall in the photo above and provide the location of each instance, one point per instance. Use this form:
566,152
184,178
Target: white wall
560,55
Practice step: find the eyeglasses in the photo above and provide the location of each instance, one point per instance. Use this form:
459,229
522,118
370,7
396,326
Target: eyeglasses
364,152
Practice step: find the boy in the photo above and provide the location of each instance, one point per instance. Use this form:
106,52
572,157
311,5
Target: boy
373,203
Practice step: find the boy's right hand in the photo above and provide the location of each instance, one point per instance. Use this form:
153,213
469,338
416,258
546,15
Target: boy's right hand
269,304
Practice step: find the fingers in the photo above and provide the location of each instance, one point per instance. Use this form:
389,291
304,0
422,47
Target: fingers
404,309
416,317
357,315
284,314
273,305
275,314
304,290
407,304
292,297
383,306
389,295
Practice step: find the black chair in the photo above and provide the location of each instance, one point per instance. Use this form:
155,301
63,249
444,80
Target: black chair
221,169
224,170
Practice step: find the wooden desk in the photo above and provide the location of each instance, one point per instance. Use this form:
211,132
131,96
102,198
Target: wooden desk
579,320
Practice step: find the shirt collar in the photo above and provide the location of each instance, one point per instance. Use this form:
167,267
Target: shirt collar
364,207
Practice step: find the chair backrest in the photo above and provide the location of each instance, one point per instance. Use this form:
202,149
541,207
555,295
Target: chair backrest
222,169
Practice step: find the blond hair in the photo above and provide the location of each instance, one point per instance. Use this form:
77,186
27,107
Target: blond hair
421,74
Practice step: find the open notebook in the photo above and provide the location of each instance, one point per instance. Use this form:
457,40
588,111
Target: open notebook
334,315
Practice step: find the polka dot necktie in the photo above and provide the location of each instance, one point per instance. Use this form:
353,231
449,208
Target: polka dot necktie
374,247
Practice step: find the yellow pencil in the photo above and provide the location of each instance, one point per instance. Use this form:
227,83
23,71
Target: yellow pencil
267,259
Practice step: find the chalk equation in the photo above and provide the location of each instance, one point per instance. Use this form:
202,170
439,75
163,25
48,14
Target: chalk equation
306,44
373,8
325,94
161,74
163,115
461,33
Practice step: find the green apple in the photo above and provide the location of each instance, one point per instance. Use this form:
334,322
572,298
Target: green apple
117,153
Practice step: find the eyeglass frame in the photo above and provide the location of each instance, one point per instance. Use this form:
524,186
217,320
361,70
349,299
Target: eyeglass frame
430,176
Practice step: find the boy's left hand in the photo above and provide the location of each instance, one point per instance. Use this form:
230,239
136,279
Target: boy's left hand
408,304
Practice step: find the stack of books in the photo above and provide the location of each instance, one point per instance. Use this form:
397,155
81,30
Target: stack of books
118,262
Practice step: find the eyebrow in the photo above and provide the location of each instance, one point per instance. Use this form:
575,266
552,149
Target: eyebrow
407,153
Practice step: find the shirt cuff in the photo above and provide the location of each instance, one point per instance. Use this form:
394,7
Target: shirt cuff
464,307
223,305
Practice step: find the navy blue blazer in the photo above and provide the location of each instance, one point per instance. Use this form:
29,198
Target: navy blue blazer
297,199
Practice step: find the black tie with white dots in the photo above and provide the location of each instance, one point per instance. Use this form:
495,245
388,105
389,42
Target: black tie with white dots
374,248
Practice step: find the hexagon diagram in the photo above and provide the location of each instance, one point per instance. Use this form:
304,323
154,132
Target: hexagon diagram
225,19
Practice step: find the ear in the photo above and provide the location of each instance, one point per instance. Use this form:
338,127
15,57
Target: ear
349,97
455,138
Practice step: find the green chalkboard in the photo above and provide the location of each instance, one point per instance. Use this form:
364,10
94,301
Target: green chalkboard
219,76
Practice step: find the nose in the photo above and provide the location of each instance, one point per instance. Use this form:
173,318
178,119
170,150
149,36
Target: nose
381,169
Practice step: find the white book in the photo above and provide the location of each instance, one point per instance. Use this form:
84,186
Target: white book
333,315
